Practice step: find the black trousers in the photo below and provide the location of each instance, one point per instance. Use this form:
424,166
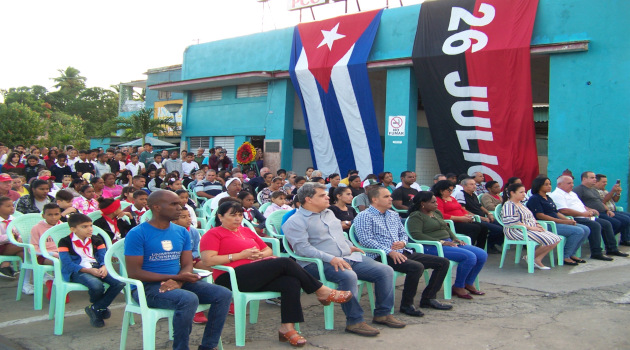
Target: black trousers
414,267
275,275
476,231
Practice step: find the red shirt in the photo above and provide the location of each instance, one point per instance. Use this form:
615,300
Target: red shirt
227,242
450,208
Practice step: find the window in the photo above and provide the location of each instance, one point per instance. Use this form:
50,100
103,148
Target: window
226,142
164,95
213,94
251,90
196,142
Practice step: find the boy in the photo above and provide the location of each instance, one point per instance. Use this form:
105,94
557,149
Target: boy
135,166
82,261
84,165
60,169
52,216
64,201
189,167
6,248
184,197
278,199
139,206
157,161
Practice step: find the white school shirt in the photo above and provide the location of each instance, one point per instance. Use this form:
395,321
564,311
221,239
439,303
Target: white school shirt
135,169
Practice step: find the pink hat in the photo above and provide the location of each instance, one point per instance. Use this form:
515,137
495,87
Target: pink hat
5,178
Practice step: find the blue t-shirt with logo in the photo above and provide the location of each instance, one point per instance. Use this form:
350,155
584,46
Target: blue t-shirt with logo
161,249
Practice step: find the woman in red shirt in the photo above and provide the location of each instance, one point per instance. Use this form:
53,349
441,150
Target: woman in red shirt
463,219
233,245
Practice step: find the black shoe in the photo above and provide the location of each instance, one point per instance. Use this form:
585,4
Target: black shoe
411,311
601,257
493,250
432,303
617,253
7,272
95,319
571,263
627,244
104,313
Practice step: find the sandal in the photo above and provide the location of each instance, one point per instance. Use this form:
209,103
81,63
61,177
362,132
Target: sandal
293,337
474,291
336,296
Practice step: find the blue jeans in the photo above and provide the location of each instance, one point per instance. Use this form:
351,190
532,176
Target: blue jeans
369,270
574,237
470,261
99,297
185,301
625,220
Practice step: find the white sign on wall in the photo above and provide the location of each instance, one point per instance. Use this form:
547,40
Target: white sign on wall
300,4
396,125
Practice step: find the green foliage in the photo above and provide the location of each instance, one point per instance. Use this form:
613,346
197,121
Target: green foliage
19,124
64,129
69,82
140,124
95,106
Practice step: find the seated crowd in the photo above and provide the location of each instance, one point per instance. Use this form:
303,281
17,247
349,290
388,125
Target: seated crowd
362,229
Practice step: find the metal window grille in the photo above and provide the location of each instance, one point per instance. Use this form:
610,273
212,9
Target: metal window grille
251,90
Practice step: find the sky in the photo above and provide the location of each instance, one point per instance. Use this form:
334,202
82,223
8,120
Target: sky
117,41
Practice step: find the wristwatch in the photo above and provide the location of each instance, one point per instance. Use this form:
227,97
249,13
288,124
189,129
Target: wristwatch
230,257
347,222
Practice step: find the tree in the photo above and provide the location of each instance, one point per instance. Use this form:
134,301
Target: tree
64,129
96,106
140,124
19,124
69,81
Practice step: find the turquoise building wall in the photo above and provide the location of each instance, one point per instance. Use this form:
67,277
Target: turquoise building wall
587,90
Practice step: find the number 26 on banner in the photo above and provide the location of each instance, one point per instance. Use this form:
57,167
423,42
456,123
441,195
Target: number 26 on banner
466,36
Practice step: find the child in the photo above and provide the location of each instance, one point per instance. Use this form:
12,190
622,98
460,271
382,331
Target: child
64,201
52,215
185,221
278,203
86,203
157,161
126,195
187,203
112,221
82,261
251,213
139,206
66,181
18,182
6,248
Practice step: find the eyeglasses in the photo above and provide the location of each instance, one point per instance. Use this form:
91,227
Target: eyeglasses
449,189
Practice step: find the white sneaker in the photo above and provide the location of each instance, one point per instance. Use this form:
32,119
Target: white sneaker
28,289
48,277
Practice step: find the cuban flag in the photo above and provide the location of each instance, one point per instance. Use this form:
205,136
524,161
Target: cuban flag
329,72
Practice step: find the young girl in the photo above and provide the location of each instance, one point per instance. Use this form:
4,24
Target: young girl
99,185
13,164
251,213
75,186
36,198
188,204
341,207
126,195
156,182
6,248
277,203
86,203
112,221
18,184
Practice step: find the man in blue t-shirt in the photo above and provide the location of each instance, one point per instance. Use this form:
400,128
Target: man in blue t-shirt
158,253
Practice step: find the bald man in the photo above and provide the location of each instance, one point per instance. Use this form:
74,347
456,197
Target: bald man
158,253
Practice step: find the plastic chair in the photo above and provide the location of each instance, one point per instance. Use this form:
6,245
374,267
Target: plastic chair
528,243
124,205
440,252
150,316
23,225
479,196
425,188
146,216
551,226
329,311
61,288
17,214
354,205
273,223
258,197
264,207
417,247
95,215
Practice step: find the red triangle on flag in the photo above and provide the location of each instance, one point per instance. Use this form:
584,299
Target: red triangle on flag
326,42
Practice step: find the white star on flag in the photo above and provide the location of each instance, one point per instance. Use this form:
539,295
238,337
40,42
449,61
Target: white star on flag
330,36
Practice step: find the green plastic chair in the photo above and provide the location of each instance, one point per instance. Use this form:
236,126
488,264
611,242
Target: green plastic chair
23,225
17,214
146,216
258,197
528,243
61,288
417,247
354,205
95,215
329,311
150,316
14,260
264,207
551,226
124,205
425,188
440,251
274,222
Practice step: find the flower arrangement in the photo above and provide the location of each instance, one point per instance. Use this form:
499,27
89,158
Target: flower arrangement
246,153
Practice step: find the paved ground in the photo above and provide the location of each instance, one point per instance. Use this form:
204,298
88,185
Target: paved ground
582,307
